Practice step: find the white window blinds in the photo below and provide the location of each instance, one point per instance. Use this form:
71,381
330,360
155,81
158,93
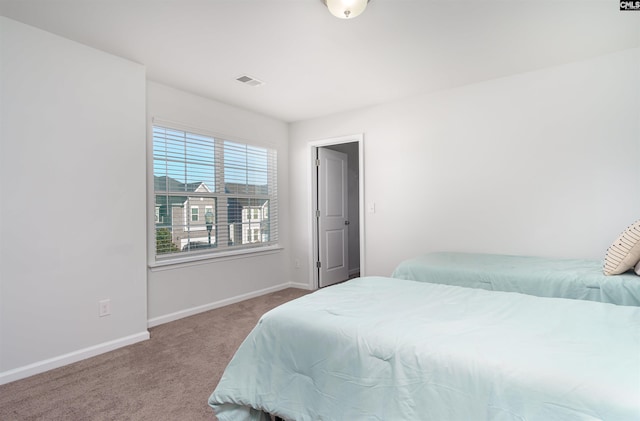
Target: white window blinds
212,194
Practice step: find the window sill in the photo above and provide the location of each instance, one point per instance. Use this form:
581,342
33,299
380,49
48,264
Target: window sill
202,259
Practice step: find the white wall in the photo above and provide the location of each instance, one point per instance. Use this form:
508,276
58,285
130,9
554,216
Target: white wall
182,290
72,191
543,163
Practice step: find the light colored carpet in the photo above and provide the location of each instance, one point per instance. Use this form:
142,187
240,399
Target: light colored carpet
168,377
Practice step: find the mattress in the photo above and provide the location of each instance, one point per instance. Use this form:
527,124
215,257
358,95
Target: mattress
544,277
388,349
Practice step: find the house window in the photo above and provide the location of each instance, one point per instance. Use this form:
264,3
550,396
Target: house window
211,194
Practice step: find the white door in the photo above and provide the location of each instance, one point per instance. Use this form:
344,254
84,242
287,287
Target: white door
333,222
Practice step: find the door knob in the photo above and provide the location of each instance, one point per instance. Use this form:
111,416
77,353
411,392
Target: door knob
346,222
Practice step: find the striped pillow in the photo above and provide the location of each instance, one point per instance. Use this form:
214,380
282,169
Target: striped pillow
624,253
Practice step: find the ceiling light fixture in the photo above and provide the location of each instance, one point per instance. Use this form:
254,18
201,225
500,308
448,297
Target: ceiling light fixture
346,9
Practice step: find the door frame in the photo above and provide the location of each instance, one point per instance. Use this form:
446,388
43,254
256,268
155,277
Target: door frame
313,200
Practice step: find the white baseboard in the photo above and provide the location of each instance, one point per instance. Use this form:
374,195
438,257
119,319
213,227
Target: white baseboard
72,357
217,304
300,285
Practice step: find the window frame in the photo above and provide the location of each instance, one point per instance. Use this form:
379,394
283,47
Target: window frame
223,252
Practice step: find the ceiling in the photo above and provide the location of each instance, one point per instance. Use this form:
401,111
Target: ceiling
314,64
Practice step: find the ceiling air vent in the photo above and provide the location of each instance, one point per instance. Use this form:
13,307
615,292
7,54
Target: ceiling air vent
249,81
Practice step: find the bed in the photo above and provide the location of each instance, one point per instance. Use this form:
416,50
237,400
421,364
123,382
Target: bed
378,348
545,277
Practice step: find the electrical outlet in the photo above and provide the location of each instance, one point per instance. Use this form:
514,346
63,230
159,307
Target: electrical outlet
104,308
297,264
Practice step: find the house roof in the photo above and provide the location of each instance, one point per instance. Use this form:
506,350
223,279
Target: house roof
168,184
171,185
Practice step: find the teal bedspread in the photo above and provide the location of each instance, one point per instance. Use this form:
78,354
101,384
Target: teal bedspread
389,349
564,278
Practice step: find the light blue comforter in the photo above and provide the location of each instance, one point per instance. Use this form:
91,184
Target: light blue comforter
388,349
580,279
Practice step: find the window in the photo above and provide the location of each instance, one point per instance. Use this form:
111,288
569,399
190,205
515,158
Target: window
211,194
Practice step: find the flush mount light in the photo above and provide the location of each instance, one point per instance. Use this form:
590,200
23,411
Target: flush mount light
346,9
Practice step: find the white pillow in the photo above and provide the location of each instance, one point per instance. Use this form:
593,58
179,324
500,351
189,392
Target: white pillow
637,269
624,253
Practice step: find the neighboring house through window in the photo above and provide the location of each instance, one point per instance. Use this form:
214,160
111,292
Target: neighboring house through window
211,194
